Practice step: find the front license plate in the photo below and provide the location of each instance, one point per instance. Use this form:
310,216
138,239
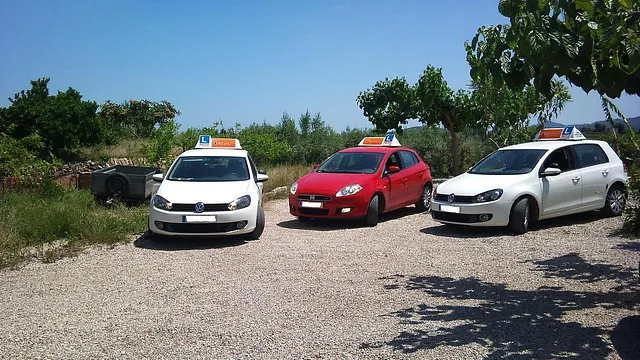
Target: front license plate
311,204
199,219
450,209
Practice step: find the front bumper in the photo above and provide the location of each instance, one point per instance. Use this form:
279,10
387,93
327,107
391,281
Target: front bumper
331,207
494,213
227,223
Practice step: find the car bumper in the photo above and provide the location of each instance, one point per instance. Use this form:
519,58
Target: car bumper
354,206
488,214
226,223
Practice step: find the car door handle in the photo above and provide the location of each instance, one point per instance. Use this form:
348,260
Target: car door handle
404,180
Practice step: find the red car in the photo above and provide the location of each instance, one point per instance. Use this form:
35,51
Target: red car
377,176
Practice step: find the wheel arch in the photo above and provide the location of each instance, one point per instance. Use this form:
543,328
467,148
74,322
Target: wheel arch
382,202
533,202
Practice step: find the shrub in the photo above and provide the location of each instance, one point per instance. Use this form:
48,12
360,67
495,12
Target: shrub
632,212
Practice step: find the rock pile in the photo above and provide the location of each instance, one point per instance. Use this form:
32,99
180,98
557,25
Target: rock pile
78,167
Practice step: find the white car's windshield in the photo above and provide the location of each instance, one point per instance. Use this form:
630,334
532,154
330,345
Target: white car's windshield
352,162
508,162
209,168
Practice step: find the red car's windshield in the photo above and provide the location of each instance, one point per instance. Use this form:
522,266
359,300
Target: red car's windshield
352,162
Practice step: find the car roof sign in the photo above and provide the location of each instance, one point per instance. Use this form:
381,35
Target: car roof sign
388,140
566,133
207,142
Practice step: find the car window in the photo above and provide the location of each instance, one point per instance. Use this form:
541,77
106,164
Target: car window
408,158
393,160
560,158
253,167
590,155
508,162
209,168
352,162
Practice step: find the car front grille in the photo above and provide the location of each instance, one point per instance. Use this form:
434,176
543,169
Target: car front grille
457,198
315,197
192,207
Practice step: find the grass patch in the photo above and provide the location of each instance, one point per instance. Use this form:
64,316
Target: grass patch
48,226
130,148
284,175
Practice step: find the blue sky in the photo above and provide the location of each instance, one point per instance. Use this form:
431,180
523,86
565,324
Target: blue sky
245,61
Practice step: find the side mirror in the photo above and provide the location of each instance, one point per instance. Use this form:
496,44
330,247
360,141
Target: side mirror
262,177
393,169
158,177
315,166
551,171
263,172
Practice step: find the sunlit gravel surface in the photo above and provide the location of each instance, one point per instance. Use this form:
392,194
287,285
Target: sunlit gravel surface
408,288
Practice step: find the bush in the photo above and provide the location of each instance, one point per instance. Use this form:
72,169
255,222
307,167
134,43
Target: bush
35,219
632,212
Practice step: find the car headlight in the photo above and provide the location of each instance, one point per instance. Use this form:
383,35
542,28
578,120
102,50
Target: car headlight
490,195
161,203
240,203
294,188
349,190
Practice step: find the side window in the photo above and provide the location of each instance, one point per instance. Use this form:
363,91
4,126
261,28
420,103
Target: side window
590,155
408,158
253,167
560,158
393,160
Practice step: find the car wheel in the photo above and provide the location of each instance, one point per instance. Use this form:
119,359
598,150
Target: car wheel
520,216
615,202
424,203
371,219
304,219
260,222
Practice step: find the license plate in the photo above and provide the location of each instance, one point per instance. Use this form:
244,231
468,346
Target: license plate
311,204
199,218
450,209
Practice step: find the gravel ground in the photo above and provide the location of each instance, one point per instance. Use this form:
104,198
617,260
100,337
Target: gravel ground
408,288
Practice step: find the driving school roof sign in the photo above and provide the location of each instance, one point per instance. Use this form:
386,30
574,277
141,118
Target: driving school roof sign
207,142
566,133
387,140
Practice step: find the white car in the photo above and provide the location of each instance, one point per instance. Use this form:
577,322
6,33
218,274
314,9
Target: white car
212,190
559,173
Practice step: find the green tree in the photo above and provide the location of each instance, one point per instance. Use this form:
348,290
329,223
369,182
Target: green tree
64,121
137,118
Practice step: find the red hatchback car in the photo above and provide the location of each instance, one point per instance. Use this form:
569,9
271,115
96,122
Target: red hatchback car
377,176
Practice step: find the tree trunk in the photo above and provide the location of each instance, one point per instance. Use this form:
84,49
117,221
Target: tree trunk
455,155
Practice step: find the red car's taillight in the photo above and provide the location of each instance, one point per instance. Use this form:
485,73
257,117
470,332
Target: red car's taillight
624,167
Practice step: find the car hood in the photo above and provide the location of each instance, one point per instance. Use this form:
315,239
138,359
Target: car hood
472,184
330,183
191,192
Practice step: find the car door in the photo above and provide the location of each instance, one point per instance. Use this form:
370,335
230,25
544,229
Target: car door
562,192
414,175
397,183
593,164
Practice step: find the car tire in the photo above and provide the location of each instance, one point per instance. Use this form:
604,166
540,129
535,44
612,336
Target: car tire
304,219
260,223
615,201
520,216
424,203
372,217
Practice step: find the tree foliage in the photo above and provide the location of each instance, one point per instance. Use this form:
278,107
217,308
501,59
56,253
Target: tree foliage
594,44
63,121
137,118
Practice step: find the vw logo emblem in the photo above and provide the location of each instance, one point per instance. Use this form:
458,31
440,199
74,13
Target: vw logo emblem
199,207
312,197
451,197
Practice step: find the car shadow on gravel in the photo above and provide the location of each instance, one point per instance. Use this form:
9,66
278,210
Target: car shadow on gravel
506,322
341,224
470,232
177,243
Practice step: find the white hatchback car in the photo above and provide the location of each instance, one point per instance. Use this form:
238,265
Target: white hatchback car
212,190
559,173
